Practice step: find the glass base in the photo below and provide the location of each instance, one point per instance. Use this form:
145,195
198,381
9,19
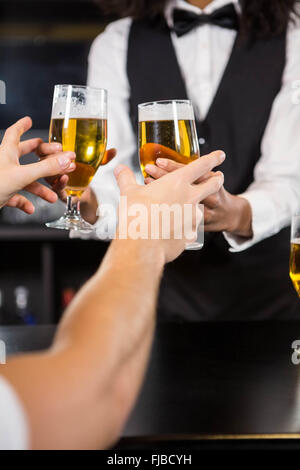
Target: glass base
72,220
71,223
194,246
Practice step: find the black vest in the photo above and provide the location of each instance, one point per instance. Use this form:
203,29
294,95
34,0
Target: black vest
214,283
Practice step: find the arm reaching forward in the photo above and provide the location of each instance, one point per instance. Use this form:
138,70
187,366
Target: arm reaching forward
79,393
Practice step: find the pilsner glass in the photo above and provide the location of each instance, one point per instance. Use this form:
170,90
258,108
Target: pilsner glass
295,253
79,123
167,129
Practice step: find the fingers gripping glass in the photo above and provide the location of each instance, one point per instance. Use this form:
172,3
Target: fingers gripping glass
79,123
167,129
295,253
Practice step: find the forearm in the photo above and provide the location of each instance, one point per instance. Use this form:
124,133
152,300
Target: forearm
127,386
111,326
116,305
85,385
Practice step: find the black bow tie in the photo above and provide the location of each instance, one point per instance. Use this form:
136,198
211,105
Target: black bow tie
185,21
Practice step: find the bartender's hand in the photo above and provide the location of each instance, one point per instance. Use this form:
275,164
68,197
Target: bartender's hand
223,212
15,177
88,201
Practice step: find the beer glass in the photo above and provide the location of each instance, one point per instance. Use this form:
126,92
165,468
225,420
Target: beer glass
295,253
79,123
167,129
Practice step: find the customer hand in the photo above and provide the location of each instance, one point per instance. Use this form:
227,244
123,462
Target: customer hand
59,182
187,185
15,177
223,211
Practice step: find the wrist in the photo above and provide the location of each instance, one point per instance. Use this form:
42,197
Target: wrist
242,226
148,252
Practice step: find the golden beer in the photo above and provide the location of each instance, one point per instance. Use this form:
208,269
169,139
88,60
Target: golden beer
295,264
88,139
170,139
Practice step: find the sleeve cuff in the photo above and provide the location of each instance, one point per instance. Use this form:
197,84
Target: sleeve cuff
264,222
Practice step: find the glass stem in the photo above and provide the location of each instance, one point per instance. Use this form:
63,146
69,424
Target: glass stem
69,208
76,208
72,209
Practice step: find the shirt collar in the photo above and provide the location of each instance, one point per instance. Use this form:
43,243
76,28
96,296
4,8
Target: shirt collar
184,5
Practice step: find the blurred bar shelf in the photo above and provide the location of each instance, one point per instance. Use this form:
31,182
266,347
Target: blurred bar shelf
46,262
45,33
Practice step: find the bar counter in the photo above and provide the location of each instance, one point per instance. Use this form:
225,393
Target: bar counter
208,385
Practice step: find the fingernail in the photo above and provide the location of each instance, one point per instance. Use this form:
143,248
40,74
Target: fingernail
222,156
57,146
72,166
161,162
71,155
118,169
64,160
150,168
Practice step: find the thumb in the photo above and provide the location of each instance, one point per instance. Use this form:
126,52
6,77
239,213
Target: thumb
59,164
125,178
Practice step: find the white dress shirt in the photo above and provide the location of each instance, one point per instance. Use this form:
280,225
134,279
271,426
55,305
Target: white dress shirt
203,54
13,423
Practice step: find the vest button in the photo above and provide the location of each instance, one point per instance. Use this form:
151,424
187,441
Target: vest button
202,141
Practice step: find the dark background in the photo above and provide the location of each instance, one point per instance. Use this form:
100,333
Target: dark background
42,43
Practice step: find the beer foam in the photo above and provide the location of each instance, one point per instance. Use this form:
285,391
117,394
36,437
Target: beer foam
77,111
296,241
166,112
